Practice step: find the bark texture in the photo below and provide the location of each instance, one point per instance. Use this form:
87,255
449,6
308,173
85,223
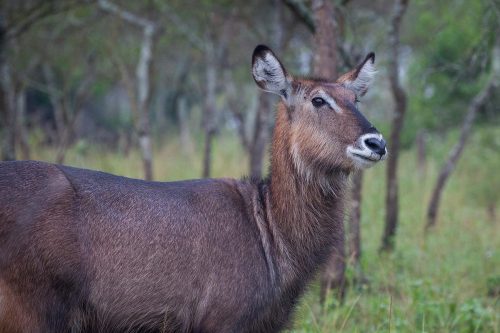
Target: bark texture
325,41
209,112
400,101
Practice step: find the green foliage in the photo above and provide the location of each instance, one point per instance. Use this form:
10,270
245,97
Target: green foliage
452,45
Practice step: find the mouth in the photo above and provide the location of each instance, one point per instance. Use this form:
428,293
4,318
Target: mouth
369,158
364,157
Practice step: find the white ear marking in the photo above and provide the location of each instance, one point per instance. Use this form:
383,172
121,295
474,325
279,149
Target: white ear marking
360,78
269,73
365,77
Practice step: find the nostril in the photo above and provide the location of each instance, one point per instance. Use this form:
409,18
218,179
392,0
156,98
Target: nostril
376,145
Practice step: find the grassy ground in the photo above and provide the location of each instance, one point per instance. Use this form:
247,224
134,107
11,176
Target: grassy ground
438,283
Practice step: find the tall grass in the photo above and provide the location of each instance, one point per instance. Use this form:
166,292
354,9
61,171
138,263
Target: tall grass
434,283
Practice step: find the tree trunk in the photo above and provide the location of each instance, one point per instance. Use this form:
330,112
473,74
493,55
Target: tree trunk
21,124
64,143
9,112
7,100
67,133
185,133
81,96
457,150
209,121
399,95
143,77
142,81
421,152
325,40
207,154
325,65
492,211
236,108
260,135
57,101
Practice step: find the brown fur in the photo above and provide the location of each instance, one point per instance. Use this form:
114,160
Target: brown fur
85,251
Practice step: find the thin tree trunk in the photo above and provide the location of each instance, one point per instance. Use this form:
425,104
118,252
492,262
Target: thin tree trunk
143,98
207,154
56,100
67,135
4,118
81,96
457,150
421,152
260,135
9,111
209,121
492,211
235,107
325,65
7,100
21,124
65,139
185,133
143,81
399,95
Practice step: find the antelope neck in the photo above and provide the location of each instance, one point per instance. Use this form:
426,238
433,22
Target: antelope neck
306,219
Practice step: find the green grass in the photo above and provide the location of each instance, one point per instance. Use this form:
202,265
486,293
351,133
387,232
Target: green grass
438,283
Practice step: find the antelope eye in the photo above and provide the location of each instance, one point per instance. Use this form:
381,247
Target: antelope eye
318,102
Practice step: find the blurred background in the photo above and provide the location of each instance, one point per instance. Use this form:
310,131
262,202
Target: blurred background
162,90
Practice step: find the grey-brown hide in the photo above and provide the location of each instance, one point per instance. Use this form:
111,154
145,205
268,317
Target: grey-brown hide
86,251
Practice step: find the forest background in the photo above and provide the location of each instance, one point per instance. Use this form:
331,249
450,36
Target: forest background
162,90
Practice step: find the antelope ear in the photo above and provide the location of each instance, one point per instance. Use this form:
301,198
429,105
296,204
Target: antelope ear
360,78
269,73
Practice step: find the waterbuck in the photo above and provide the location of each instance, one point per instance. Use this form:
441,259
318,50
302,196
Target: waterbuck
86,251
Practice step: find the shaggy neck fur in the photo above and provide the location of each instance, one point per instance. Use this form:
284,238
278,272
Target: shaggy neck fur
305,218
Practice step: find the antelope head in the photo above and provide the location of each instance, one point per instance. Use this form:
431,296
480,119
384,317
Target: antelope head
326,131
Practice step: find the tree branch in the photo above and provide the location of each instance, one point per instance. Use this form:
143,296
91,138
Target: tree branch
455,153
399,95
125,15
301,10
193,38
38,12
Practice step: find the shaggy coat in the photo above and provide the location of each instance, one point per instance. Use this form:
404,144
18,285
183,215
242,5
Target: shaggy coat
86,251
